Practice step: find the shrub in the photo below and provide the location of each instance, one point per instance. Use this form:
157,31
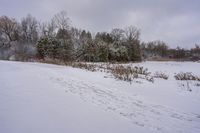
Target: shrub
122,73
186,76
141,70
161,75
129,73
48,48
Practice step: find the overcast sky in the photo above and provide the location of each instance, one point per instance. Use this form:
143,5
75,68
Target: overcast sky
176,22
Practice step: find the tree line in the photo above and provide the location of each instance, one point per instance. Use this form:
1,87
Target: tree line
58,40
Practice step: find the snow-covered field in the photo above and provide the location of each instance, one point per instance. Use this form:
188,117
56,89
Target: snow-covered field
43,98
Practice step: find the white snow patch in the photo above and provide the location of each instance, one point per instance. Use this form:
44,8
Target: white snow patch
47,98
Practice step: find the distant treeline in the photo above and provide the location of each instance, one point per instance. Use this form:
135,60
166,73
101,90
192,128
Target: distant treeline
30,39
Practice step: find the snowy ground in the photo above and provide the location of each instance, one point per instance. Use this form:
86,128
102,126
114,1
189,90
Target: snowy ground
42,98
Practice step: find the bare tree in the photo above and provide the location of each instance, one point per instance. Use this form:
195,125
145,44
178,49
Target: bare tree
117,35
48,29
132,33
133,43
9,28
29,26
62,21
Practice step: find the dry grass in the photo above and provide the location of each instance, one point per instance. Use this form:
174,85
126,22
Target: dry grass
122,73
160,59
118,71
125,73
89,67
51,61
129,73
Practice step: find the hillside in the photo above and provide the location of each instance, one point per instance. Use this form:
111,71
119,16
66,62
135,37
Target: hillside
44,98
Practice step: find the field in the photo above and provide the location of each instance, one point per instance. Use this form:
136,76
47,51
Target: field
44,98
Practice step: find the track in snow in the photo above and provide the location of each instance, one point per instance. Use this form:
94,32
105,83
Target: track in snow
141,113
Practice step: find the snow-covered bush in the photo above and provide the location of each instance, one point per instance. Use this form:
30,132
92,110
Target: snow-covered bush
161,75
186,76
118,53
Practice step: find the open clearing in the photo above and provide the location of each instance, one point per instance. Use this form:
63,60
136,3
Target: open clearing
44,98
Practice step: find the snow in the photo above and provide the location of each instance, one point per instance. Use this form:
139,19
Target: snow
44,98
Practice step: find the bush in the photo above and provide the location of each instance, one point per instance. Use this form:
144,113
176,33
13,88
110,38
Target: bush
48,48
122,73
141,70
161,75
129,73
187,76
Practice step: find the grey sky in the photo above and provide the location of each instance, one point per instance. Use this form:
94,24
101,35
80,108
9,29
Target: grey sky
176,22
